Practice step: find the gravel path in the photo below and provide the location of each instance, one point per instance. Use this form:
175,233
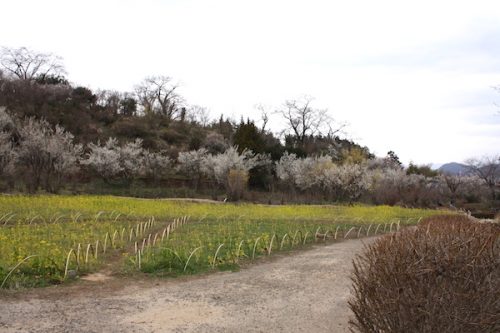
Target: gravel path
303,292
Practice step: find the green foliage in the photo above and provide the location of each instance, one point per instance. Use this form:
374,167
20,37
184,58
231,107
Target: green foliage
393,159
424,170
248,136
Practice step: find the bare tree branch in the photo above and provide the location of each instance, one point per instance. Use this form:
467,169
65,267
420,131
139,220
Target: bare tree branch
26,64
157,94
303,120
198,114
264,116
487,169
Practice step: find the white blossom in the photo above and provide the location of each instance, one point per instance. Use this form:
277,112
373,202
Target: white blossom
104,160
190,162
218,166
131,157
155,165
46,153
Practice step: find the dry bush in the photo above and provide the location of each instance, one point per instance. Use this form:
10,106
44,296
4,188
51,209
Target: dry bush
442,276
237,182
447,221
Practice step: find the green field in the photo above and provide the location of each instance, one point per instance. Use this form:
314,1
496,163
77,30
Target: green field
43,238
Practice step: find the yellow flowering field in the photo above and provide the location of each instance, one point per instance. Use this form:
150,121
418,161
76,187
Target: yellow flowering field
44,238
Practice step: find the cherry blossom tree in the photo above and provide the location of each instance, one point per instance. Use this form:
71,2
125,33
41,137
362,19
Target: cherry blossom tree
190,164
156,165
46,154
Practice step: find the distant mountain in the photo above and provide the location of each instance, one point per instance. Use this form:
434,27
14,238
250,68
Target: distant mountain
454,168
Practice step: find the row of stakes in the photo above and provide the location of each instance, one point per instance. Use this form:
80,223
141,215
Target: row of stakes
141,228
317,236
93,249
7,217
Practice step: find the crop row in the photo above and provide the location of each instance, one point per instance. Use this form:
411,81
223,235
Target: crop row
40,209
40,254
202,246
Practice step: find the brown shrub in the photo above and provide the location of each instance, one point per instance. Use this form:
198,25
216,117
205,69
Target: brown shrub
446,221
442,276
237,181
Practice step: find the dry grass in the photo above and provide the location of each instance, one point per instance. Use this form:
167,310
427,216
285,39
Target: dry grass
441,276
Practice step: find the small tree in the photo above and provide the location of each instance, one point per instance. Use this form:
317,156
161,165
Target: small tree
488,169
286,169
215,143
113,161
105,160
217,167
46,154
248,136
155,165
158,95
392,160
7,152
190,163
64,156
131,159
453,183
353,181
198,114
7,157
237,182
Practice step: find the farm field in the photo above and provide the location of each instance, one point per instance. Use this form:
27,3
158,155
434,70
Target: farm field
49,239
292,292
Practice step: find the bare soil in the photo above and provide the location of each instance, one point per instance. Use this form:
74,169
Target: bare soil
299,292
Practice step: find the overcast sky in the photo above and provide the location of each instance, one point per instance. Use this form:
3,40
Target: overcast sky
415,77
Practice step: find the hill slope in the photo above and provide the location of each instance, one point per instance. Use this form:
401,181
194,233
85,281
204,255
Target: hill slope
454,168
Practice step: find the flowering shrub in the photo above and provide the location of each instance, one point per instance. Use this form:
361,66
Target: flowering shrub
105,160
341,182
190,163
112,161
155,165
45,154
217,167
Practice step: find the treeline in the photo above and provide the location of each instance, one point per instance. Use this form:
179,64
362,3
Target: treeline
40,156
34,85
54,134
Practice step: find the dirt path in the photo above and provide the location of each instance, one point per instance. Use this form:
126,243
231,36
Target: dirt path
302,292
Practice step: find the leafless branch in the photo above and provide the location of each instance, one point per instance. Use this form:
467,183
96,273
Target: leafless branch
26,64
303,120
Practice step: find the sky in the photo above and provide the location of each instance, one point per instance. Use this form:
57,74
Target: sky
415,77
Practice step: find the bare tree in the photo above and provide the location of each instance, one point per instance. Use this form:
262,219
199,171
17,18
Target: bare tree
198,114
303,120
264,116
453,184
158,95
109,99
28,65
488,169
145,98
